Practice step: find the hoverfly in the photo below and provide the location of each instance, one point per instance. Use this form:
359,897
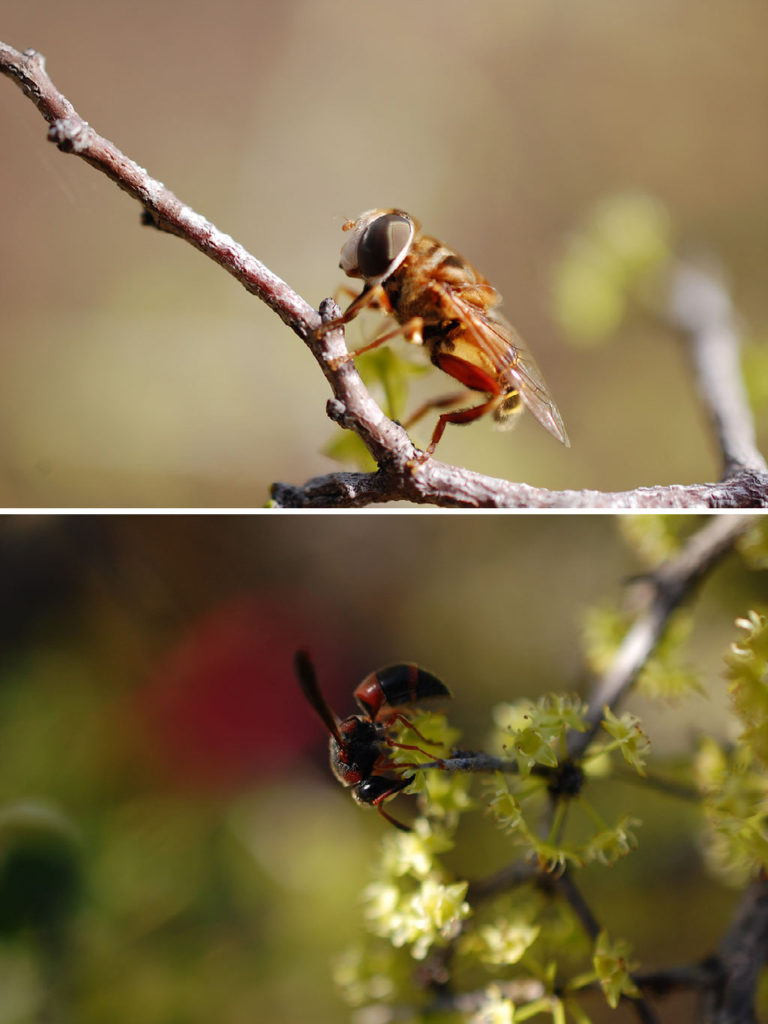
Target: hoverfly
442,302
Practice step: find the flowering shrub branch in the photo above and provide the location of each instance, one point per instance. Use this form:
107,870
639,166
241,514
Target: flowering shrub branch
524,941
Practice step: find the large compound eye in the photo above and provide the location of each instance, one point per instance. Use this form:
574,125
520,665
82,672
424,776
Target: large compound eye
384,240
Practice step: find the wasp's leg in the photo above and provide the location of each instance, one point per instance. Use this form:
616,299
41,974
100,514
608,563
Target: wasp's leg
376,789
393,821
411,746
398,716
378,803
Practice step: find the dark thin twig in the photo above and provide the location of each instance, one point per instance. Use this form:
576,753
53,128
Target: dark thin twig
511,876
684,978
662,784
591,926
572,894
400,475
742,956
674,979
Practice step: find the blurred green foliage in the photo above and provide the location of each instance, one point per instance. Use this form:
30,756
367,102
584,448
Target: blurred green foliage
613,259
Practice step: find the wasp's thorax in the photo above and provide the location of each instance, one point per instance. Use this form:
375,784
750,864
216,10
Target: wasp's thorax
378,244
359,751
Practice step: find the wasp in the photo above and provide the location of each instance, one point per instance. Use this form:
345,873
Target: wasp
358,744
442,302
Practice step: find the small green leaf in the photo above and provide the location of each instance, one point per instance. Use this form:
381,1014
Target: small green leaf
383,367
347,448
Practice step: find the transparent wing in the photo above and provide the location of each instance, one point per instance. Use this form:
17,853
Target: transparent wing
513,363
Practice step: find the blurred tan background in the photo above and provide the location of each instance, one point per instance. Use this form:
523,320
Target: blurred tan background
208,867
134,372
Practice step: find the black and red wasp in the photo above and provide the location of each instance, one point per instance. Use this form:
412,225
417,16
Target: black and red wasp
358,744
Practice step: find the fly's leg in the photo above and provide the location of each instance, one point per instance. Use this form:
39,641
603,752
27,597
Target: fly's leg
411,331
436,403
371,298
458,416
374,298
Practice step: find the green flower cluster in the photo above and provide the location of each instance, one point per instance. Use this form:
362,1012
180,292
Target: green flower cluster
414,903
535,733
734,781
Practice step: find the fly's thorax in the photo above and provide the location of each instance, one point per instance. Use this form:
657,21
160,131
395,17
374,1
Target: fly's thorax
429,275
413,291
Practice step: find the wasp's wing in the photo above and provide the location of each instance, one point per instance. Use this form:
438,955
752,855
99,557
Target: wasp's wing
511,360
307,677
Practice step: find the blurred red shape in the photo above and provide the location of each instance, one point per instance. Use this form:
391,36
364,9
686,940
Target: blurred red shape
222,706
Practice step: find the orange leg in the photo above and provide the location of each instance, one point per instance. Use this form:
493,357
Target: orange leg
437,403
368,297
411,331
372,298
375,298
343,292
459,416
